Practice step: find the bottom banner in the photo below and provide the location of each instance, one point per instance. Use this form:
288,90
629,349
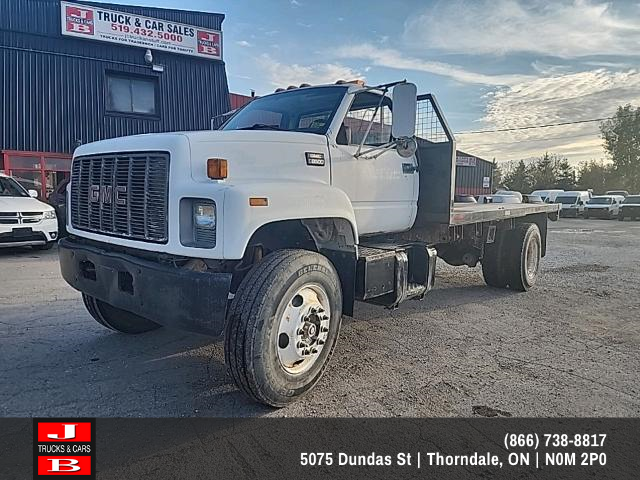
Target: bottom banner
324,448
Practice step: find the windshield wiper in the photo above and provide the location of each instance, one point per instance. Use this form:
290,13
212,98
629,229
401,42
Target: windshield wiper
261,126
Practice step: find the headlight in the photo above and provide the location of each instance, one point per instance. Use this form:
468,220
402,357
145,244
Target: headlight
197,223
50,215
204,215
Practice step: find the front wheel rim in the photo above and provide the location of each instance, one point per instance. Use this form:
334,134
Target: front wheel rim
303,329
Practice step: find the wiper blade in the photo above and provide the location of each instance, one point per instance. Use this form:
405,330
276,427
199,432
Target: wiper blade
261,126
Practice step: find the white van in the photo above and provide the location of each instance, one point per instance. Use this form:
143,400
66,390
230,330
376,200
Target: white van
603,206
548,196
572,203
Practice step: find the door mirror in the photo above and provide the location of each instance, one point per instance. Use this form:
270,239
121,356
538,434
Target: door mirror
404,97
33,193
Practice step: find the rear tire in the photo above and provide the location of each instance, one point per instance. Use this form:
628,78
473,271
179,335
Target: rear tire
116,319
493,268
283,325
524,252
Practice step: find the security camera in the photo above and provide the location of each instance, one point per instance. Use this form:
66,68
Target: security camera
148,57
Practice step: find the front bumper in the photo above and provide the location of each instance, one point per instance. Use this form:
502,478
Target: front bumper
599,212
630,211
22,235
167,295
569,212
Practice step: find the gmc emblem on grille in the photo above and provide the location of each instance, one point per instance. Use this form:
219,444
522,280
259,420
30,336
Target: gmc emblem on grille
107,195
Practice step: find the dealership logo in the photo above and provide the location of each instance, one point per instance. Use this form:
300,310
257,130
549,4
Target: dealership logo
80,20
209,43
107,195
64,447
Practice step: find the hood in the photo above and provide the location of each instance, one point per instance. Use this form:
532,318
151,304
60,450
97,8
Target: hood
251,154
260,155
23,204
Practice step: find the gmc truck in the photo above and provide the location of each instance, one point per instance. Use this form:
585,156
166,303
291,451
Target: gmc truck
267,230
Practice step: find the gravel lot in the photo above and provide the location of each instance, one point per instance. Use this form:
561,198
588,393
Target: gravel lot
569,347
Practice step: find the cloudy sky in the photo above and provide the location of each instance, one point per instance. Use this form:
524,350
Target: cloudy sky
493,64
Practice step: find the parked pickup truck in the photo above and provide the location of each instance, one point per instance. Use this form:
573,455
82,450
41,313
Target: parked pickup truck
268,230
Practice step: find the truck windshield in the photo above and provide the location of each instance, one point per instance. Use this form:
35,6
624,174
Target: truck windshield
307,109
566,200
600,201
10,188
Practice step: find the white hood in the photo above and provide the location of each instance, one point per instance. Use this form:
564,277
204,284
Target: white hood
252,154
23,204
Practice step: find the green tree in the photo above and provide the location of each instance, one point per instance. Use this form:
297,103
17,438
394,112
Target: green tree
597,175
496,175
621,137
565,175
543,172
518,178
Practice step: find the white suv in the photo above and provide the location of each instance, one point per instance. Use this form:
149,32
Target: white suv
24,220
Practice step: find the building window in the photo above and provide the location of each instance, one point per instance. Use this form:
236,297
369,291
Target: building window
132,94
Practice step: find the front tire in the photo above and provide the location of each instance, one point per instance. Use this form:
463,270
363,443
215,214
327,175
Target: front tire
116,319
283,325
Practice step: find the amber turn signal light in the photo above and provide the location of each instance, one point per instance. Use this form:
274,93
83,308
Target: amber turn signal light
217,169
258,202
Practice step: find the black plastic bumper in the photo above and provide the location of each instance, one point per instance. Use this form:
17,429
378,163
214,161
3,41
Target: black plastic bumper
170,296
599,213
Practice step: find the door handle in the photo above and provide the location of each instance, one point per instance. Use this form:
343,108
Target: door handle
408,168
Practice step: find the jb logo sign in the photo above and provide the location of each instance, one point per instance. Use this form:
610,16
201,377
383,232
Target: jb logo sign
64,447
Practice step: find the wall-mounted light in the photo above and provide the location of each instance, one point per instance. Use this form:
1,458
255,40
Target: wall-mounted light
148,57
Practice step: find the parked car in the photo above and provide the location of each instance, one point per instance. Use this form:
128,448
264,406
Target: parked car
624,193
603,206
572,203
25,220
548,196
464,199
498,198
510,192
531,198
58,199
630,208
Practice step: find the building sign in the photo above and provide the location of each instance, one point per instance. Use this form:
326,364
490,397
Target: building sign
486,182
104,25
465,161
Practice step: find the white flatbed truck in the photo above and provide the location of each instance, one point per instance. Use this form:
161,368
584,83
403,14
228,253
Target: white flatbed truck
266,231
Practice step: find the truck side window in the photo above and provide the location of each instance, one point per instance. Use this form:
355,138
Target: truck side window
360,115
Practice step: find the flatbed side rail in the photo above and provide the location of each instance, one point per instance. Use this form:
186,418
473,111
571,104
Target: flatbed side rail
481,213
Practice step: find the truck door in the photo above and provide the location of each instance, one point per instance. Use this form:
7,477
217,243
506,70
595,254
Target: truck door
382,186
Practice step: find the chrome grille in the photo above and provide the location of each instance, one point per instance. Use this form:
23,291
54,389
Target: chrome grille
122,195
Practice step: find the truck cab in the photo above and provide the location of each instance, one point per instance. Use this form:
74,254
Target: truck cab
267,230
